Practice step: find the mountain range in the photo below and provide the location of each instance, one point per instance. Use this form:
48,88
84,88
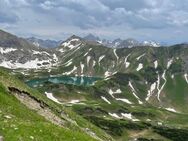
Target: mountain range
140,92
117,43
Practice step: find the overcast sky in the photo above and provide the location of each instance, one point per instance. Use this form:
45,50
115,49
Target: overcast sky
160,20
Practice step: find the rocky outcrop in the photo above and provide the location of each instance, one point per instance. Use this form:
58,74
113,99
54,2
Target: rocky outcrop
37,105
1,138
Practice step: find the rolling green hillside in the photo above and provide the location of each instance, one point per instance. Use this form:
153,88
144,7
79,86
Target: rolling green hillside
21,119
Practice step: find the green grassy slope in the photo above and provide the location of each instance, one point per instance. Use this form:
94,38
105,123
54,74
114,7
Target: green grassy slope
18,122
97,110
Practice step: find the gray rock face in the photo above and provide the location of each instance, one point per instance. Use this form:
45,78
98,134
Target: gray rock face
17,53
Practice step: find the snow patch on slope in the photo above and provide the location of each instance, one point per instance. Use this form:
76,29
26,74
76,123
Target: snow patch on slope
134,93
138,58
111,92
160,89
116,54
151,91
94,63
38,52
32,64
114,115
70,72
186,79
124,100
6,50
172,76
105,99
129,116
74,101
123,115
82,68
50,96
107,74
156,64
169,63
68,63
115,92
100,59
87,52
140,66
171,110
88,59
55,58
62,50
127,63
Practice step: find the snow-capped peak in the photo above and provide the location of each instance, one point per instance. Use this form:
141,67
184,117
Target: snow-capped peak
72,42
151,43
36,44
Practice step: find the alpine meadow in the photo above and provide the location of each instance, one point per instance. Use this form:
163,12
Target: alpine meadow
100,70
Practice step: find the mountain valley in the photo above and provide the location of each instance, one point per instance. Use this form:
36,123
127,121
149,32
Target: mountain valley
84,89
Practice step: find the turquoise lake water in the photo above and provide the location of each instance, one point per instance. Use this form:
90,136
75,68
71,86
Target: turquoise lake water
86,81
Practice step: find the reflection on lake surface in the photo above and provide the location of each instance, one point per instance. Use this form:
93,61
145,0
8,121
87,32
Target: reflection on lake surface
78,80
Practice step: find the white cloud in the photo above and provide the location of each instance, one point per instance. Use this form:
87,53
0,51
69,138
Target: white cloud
178,18
110,18
47,5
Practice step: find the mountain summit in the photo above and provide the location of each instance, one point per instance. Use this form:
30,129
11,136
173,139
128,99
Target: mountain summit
91,37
